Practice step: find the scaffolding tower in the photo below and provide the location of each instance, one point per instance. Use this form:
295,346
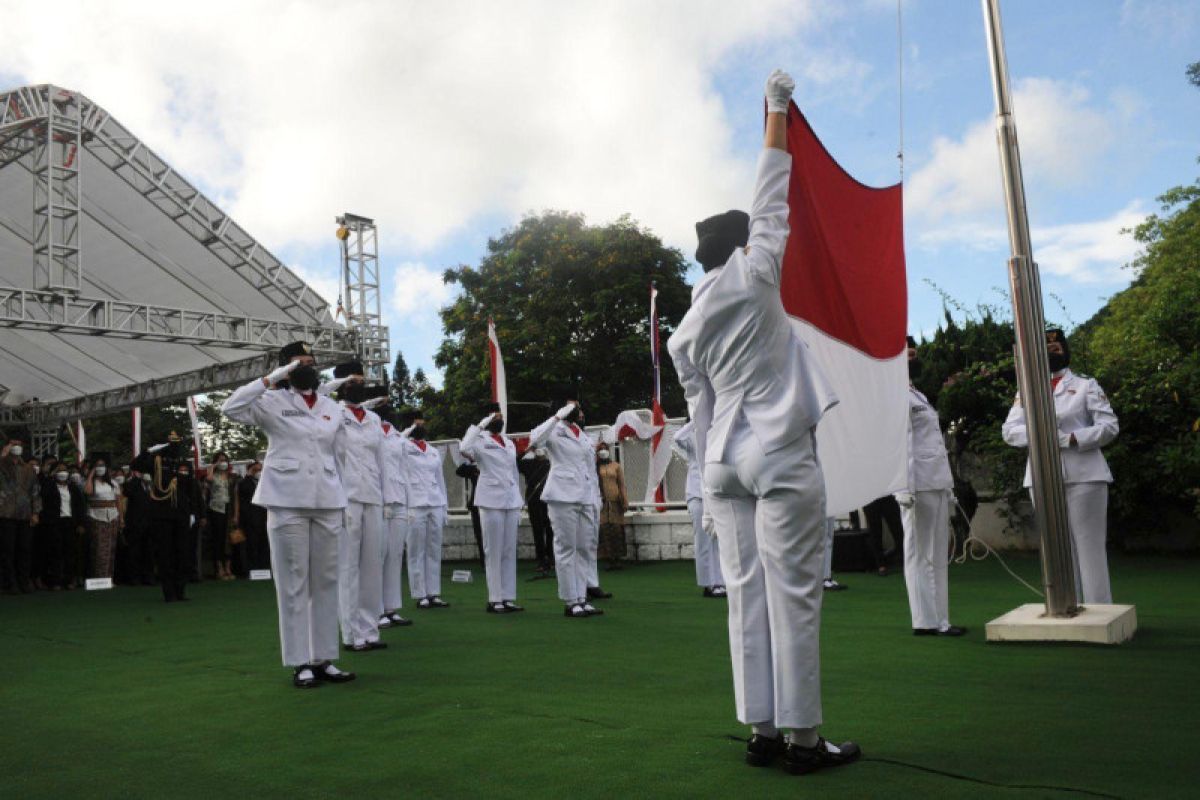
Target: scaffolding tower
360,288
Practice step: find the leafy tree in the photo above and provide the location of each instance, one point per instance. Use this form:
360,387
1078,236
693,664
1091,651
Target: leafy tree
219,433
401,387
571,306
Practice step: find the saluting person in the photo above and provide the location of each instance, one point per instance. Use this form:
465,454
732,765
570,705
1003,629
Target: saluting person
427,506
570,495
756,397
302,491
706,549
498,498
395,519
360,460
1086,422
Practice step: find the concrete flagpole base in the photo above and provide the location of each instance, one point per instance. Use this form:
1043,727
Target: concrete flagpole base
1095,624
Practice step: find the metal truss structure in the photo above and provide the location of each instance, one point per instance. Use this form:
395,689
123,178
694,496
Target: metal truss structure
58,138
360,286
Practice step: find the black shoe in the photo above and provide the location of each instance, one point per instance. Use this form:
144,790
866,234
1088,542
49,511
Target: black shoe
953,630
511,606
496,608
762,750
720,591
708,591
399,621
312,681
424,603
833,586
803,760
384,621
575,610
377,645
592,611
437,602
365,646
337,677
596,593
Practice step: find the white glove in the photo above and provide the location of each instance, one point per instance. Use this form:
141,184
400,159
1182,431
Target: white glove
282,373
779,92
329,387
407,432
1064,440
156,448
374,402
708,524
565,411
905,499
483,423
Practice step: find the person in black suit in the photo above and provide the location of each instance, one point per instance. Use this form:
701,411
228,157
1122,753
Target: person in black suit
884,509
175,505
139,550
469,472
252,519
535,467
64,515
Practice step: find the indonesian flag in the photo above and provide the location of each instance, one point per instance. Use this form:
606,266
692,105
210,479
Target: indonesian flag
496,360
195,430
630,425
844,285
80,443
137,431
660,453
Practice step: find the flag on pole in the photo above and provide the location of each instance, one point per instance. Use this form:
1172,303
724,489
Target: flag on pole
844,285
496,361
137,431
660,453
80,437
195,430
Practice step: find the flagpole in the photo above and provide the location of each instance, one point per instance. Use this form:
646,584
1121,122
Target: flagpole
1033,368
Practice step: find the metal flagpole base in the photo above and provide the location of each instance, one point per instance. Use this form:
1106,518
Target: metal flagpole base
1094,624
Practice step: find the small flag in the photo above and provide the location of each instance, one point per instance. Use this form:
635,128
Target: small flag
195,430
137,431
81,443
496,361
660,455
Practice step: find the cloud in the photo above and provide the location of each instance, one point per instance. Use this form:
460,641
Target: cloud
324,281
423,116
418,291
1063,135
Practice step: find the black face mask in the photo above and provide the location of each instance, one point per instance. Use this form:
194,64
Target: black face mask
353,393
914,366
418,433
183,476
305,378
495,426
576,416
1058,361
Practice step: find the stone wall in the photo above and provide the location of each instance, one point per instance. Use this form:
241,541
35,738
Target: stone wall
649,537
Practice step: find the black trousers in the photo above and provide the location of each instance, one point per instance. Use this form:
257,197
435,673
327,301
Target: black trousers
477,528
16,555
66,552
176,556
543,534
884,509
137,565
218,539
258,548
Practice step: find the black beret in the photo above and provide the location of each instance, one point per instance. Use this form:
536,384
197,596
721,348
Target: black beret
719,236
911,341
371,392
491,408
348,368
290,351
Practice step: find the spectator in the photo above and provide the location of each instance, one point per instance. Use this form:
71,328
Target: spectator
535,467
64,509
470,473
139,549
612,512
20,502
252,519
104,514
221,491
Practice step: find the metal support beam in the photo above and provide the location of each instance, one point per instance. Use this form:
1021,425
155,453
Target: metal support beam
54,162
65,312
360,285
1033,368
44,441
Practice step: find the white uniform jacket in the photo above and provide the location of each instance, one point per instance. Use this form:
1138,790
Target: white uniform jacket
928,464
426,481
300,470
735,348
685,445
499,484
572,462
360,457
1082,409
395,467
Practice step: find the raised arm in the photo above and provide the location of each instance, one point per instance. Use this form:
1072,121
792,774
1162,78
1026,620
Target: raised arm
541,434
769,212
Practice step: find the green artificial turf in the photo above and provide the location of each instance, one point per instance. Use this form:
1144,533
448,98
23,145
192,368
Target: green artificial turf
116,694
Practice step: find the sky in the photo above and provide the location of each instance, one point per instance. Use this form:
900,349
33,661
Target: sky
447,122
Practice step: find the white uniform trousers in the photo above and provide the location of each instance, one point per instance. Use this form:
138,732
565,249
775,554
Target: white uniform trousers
707,550
360,573
395,534
1087,518
926,555
500,551
591,573
425,551
573,524
827,571
304,566
769,512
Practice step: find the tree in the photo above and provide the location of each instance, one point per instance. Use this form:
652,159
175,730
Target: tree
221,434
400,389
571,307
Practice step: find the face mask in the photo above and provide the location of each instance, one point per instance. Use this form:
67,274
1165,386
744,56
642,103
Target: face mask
222,466
495,426
418,432
61,477
304,378
575,416
914,366
77,478
353,393
102,471
185,475
253,476
119,480
146,479
604,455
16,449
1058,361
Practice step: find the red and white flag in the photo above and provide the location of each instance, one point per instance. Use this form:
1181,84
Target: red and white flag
80,443
844,285
496,361
660,452
197,457
137,432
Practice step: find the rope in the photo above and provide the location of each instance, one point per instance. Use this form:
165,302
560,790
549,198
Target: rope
900,80
970,550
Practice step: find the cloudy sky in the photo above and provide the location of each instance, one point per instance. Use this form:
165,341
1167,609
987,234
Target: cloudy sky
447,121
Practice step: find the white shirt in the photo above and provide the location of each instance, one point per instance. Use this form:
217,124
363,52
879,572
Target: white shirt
395,467
499,484
736,351
64,502
572,477
300,469
426,480
1082,409
928,463
360,457
103,492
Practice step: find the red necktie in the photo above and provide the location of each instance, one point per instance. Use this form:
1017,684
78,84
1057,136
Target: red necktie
310,398
499,439
358,413
387,428
421,444
1054,382
575,430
